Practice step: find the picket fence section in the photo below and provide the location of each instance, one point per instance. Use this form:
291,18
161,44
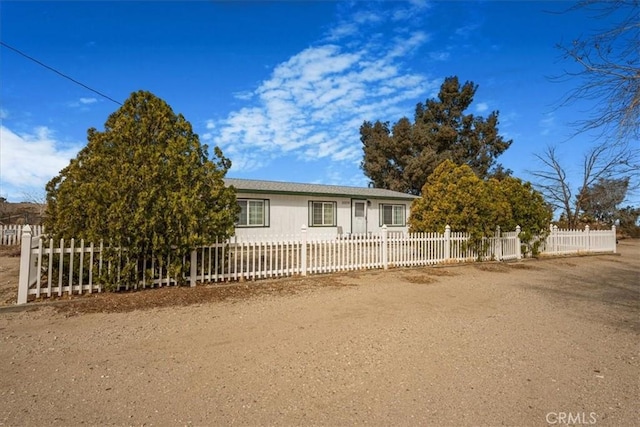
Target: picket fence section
562,242
49,268
11,235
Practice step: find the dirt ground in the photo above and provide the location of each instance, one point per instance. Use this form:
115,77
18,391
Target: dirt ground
538,342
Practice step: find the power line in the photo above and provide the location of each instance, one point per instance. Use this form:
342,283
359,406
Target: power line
59,73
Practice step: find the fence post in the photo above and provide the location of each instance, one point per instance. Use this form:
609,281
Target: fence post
447,242
498,246
385,252
614,239
303,251
518,244
25,265
588,237
193,268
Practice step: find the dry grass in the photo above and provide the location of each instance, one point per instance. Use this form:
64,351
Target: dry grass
10,251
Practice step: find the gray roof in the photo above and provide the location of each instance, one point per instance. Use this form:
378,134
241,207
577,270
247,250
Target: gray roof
277,187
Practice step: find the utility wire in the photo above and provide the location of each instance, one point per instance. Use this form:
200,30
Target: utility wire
58,72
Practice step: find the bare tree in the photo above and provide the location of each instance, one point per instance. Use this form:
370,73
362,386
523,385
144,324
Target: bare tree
38,199
608,69
602,162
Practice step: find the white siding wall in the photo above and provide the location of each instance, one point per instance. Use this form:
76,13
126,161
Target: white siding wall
288,213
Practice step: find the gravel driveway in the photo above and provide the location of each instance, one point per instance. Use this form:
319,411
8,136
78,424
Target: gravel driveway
539,342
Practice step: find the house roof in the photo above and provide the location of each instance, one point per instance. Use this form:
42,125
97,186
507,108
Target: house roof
277,187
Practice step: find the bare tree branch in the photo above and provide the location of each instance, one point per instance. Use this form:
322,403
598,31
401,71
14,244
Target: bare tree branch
608,70
600,163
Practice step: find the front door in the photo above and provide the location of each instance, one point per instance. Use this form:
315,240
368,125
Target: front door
358,216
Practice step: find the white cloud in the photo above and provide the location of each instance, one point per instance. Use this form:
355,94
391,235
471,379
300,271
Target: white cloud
3,114
28,161
243,96
313,104
414,8
440,56
547,124
365,17
482,107
83,103
405,45
467,30
343,30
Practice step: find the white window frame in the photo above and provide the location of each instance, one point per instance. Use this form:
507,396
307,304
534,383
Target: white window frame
253,203
394,210
330,220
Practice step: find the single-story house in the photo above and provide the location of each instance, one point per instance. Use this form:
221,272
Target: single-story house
271,208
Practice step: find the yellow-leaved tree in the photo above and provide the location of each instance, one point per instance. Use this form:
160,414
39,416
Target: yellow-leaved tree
454,195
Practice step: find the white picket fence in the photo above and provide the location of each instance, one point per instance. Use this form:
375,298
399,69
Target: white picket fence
49,268
12,234
563,242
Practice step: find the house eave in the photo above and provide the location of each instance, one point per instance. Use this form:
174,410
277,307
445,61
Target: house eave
409,198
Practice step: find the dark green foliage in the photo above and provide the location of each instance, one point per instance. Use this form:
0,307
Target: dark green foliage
145,184
628,225
600,201
402,157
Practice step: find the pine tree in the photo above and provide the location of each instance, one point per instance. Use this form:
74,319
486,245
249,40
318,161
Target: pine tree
402,156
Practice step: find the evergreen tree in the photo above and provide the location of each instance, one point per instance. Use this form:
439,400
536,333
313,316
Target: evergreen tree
401,157
601,200
455,196
145,184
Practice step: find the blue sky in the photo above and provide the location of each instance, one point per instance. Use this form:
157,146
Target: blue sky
281,87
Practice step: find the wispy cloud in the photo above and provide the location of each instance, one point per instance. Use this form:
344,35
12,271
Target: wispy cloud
467,30
440,56
410,10
481,107
29,160
343,30
547,124
243,96
82,102
4,114
313,104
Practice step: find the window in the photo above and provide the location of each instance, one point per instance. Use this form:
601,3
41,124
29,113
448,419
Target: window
253,213
392,215
322,214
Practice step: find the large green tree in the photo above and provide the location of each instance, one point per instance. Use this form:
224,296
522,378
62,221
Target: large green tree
146,184
402,156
